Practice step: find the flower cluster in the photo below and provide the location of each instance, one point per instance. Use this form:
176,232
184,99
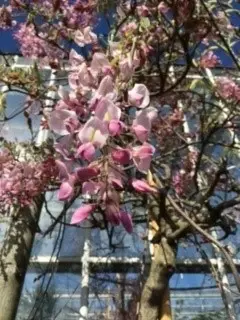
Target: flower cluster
228,89
102,133
36,46
62,21
20,181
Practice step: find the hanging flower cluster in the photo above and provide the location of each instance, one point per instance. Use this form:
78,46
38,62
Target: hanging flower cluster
21,181
103,134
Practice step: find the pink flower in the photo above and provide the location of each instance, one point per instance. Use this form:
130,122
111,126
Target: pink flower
227,88
142,186
86,151
141,132
82,213
139,96
115,127
116,216
94,131
66,190
75,59
6,20
63,146
121,156
87,173
106,87
106,110
85,77
142,156
63,170
143,123
91,187
63,121
126,220
209,60
112,212
116,176
100,64
86,36
127,66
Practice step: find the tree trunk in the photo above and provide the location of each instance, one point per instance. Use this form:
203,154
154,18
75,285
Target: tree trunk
155,291
15,256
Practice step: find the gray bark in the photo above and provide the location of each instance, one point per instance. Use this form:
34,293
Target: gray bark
15,256
161,269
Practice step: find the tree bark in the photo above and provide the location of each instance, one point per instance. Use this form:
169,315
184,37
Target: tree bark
156,286
15,256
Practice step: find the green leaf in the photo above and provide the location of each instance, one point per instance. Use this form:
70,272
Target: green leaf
145,23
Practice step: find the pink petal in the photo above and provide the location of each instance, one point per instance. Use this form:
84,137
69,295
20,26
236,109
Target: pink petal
142,156
126,220
63,170
142,186
86,151
121,156
115,127
66,191
116,176
73,80
139,96
94,131
90,187
75,59
86,36
82,213
85,77
99,63
112,213
57,120
105,87
63,146
85,174
141,132
107,111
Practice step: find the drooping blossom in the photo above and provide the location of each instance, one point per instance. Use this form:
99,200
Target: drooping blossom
139,96
100,64
87,173
82,213
94,131
21,181
142,156
227,88
115,127
142,186
121,156
106,110
63,122
142,124
209,60
86,151
85,36
75,59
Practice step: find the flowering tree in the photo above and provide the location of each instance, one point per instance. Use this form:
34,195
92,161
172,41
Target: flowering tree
132,122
